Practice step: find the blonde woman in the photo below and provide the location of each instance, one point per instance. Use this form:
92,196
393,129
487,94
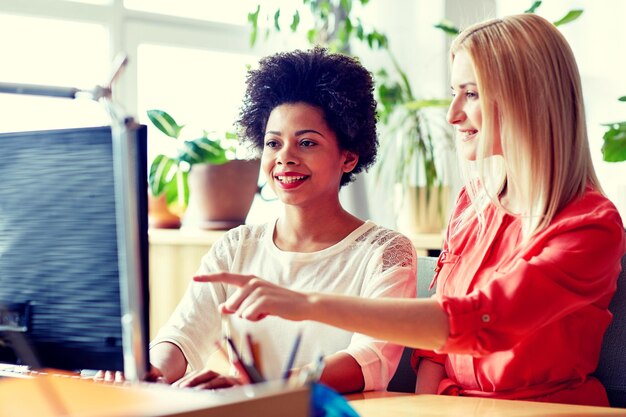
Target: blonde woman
533,247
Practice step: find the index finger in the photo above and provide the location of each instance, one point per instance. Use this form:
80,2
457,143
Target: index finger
225,277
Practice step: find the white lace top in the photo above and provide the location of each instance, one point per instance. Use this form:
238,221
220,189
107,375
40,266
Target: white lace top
370,262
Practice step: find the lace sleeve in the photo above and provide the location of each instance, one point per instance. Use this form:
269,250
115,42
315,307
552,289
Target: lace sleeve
398,251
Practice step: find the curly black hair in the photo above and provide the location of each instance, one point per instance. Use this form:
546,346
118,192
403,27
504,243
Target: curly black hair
337,84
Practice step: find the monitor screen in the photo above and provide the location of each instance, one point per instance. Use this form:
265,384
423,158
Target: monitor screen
74,248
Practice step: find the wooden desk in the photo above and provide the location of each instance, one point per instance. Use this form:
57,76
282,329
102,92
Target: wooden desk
175,256
52,396
377,404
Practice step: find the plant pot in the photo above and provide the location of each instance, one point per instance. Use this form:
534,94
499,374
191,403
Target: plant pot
420,212
220,196
159,215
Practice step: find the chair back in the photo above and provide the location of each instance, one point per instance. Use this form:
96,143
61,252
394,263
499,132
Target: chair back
612,364
404,378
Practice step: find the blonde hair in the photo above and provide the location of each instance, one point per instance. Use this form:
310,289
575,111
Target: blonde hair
531,97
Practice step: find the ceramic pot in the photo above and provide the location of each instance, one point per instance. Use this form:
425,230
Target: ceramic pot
220,196
420,210
159,215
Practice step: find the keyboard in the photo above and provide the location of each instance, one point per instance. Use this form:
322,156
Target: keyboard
15,371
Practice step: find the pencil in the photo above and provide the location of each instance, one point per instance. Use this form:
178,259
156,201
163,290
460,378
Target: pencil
292,356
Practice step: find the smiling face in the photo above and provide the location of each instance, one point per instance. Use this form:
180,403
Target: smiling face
301,156
465,111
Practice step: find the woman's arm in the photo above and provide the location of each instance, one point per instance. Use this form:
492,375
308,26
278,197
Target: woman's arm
429,375
342,373
168,361
410,322
418,323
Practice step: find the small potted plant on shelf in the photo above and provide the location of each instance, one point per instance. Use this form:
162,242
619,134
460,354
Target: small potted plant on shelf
208,183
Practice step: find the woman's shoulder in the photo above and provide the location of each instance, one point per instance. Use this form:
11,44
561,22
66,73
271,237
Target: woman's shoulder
246,233
591,207
591,217
380,235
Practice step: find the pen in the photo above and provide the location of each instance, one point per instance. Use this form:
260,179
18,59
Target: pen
236,362
292,356
312,372
255,354
250,371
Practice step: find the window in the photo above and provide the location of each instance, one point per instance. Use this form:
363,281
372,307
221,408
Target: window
184,57
199,88
234,13
74,54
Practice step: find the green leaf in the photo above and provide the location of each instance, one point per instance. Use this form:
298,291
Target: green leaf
342,36
569,17
179,187
382,73
253,19
623,98
360,32
295,21
420,104
311,35
324,9
161,174
348,24
377,39
165,123
203,150
614,148
448,27
346,5
177,191
533,7
276,22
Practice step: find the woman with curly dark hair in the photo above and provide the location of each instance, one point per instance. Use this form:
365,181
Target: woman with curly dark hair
312,115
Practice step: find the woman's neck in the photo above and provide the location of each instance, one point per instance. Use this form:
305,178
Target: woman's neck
300,230
510,199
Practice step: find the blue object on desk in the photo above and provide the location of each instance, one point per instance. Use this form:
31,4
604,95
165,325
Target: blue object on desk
326,402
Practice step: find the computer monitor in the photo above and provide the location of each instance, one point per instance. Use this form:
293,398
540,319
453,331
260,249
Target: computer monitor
74,248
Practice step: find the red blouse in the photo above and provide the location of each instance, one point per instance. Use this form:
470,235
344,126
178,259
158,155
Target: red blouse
527,323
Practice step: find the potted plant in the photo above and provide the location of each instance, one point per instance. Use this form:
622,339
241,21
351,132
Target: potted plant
415,154
206,181
409,161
